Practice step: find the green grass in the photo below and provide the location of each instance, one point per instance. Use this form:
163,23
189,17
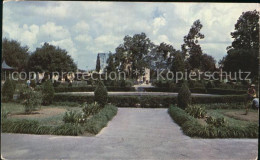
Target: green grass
13,108
231,121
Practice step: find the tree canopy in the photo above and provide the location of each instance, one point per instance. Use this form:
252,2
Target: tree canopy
50,58
14,54
244,50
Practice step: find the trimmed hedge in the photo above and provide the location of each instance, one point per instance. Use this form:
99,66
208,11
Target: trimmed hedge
33,127
100,120
192,128
92,125
91,89
199,90
150,101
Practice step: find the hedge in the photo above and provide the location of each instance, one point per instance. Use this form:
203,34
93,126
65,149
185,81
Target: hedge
93,125
100,120
149,101
91,89
191,127
34,127
198,90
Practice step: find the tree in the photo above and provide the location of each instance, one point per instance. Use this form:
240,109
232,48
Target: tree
8,89
178,64
208,63
98,63
184,96
191,46
100,94
244,50
50,58
132,53
48,92
110,63
14,54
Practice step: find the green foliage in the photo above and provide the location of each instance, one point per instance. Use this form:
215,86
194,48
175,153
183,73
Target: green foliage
71,117
33,83
14,54
50,58
48,92
90,109
244,50
192,128
216,122
149,101
33,127
100,94
184,96
8,89
196,111
98,63
66,103
100,120
210,85
91,89
32,99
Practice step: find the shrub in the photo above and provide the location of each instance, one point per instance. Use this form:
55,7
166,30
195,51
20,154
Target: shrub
32,99
218,122
100,94
71,117
184,96
196,111
8,90
68,129
100,120
90,109
48,92
191,127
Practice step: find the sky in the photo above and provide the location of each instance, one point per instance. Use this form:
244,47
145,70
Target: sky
87,28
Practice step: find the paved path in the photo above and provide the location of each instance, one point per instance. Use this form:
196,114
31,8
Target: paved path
138,93
134,133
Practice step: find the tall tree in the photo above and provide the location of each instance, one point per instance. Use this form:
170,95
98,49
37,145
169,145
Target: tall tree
14,54
133,52
191,47
98,63
178,64
110,63
244,50
50,58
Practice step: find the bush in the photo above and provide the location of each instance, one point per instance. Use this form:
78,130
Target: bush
151,101
48,92
196,111
90,109
91,89
192,128
100,94
8,90
71,117
184,96
218,122
32,99
100,120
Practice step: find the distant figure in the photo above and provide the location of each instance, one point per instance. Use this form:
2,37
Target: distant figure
251,94
28,83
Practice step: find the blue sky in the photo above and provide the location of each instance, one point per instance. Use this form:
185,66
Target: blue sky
87,28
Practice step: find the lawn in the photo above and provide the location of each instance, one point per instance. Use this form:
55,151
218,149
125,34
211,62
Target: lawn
50,119
47,115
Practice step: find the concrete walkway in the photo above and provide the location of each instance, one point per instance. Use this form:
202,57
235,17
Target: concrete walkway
139,94
134,133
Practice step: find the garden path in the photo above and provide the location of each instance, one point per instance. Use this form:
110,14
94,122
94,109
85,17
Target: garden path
134,133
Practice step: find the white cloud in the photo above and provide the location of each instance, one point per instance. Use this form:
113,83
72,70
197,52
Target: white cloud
86,28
